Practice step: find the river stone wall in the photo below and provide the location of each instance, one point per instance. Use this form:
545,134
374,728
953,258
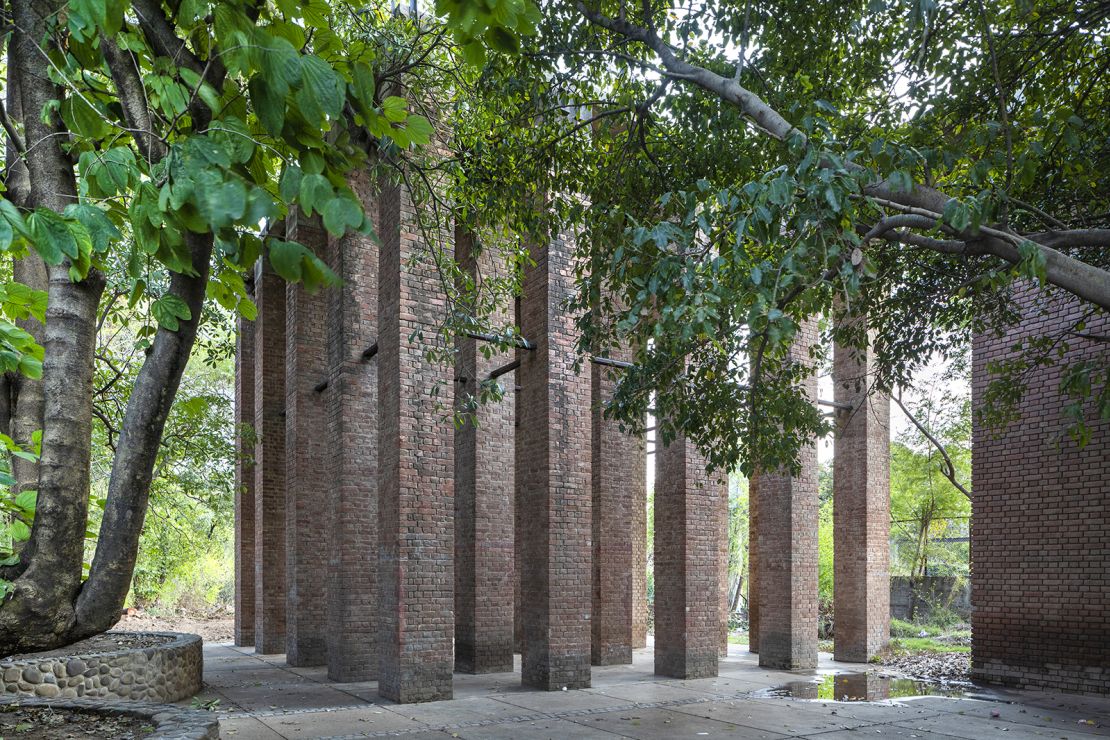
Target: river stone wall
167,672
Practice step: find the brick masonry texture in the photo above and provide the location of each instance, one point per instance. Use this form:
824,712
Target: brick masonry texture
553,476
269,458
754,597
861,510
1040,548
416,466
352,433
244,484
484,497
722,567
618,472
639,565
687,587
306,449
787,549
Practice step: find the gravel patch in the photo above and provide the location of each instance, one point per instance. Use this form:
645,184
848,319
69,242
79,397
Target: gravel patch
45,723
937,667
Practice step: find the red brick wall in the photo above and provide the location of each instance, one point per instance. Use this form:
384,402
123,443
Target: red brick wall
306,449
722,566
618,472
639,563
244,484
352,433
484,499
416,466
861,510
1040,549
553,478
786,540
687,587
269,458
753,564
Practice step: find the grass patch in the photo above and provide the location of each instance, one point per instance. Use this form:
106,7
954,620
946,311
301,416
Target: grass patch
904,645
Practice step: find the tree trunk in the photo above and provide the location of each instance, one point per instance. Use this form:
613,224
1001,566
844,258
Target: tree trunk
50,606
40,611
101,600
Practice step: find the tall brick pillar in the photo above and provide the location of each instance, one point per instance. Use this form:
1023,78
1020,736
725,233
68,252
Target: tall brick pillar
244,484
753,564
306,450
618,474
787,549
352,407
415,464
269,461
861,510
553,476
484,499
687,603
722,567
639,563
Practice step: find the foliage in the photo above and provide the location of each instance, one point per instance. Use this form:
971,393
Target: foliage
925,507
731,171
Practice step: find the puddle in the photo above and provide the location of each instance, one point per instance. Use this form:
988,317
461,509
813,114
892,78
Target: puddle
863,687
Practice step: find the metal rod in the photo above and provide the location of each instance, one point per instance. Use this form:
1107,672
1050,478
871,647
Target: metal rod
520,342
611,362
369,352
507,368
321,386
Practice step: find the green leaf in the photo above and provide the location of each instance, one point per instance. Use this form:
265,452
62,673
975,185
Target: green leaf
100,228
420,130
315,192
286,257
269,105
957,215
394,109
51,236
322,90
169,311
341,213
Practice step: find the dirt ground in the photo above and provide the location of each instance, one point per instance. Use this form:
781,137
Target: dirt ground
218,627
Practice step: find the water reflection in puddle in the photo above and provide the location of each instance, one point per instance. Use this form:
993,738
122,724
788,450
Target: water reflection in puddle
863,687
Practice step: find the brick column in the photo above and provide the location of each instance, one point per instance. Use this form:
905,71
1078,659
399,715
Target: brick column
352,408
416,466
639,562
722,567
553,476
244,484
687,603
861,510
618,481
484,500
306,451
787,545
753,564
269,461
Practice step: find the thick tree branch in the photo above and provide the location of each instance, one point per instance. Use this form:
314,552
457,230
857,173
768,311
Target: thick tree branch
132,96
156,385
1083,280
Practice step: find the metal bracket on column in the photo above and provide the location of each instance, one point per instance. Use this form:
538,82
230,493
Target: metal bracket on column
321,386
608,361
506,368
369,352
519,342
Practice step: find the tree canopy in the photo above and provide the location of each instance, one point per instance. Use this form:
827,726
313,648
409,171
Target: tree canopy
728,170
